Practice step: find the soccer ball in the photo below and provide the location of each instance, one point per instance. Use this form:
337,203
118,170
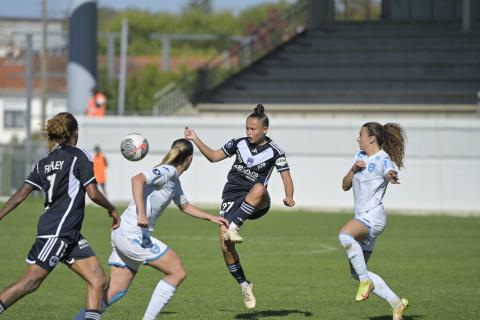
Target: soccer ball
134,147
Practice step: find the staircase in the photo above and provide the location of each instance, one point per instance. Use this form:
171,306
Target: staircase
363,63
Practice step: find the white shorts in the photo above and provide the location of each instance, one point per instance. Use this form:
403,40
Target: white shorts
375,220
129,251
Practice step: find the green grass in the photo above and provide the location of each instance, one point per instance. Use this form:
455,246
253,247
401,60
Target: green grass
292,257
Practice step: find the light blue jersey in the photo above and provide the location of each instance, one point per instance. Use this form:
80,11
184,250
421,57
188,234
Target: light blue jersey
370,184
162,186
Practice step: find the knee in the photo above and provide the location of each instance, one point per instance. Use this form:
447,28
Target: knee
258,190
98,281
345,240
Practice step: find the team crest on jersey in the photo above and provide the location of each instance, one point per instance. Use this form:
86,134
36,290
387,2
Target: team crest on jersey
53,261
156,172
371,167
230,144
249,161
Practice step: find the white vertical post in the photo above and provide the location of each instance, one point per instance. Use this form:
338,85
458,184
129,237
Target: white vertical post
28,112
466,16
165,53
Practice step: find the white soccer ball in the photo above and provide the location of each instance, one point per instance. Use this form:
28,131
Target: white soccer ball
134,147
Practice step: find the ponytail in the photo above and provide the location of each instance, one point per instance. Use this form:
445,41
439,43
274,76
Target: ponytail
391,138
181,149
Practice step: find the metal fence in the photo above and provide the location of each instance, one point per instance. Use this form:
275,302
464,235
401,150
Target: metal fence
13,166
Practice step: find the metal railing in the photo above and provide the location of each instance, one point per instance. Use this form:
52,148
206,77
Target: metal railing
277,30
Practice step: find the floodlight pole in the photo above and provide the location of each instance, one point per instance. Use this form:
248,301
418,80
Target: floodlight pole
123,67
29,94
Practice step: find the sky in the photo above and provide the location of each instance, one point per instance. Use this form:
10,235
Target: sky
59,8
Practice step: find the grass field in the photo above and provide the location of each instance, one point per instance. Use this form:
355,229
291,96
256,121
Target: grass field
293,258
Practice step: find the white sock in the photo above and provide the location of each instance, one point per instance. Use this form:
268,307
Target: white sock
244,284
161,295
355,254
383,291
233,226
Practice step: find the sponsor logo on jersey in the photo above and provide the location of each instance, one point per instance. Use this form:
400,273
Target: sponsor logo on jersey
229,144
156,172
249,174
281,161
371,167
53,261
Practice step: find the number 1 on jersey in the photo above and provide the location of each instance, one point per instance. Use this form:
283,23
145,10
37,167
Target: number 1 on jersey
51,179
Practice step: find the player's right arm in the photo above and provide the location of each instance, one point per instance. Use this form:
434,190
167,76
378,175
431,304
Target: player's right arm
16,199
138,186
209,153
347,180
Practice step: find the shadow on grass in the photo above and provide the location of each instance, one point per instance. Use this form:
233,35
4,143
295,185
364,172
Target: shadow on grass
389,317
271,313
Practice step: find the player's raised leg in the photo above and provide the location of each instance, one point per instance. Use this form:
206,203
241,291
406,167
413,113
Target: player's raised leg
348,236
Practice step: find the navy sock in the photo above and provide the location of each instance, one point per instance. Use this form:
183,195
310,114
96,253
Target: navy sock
3,307
236,271
93,314
243,213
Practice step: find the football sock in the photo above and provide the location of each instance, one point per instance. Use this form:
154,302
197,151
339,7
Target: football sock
355,255
236,271
382,290
3,307
161,295
93,314
242,213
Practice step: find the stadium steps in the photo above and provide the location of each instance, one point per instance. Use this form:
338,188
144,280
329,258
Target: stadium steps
378,62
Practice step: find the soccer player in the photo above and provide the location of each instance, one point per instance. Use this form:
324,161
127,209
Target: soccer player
64,176
245,194
132,242
382,149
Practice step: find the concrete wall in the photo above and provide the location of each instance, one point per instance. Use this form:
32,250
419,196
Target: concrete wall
441,175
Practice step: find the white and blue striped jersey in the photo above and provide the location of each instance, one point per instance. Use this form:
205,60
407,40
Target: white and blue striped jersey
253,164
370,183
63,176
162,186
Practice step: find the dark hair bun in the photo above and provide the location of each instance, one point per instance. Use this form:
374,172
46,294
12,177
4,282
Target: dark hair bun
259,109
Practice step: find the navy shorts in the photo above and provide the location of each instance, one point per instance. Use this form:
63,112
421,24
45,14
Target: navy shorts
229,206
47,252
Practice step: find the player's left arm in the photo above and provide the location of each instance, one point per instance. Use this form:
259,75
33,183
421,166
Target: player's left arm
288,185
17,198
193,211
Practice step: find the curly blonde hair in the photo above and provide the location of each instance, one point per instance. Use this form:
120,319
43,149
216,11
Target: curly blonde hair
59,130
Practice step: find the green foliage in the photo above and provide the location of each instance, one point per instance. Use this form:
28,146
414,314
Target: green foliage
293,258
196,18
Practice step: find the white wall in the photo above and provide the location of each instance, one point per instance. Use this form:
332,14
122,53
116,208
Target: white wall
442,159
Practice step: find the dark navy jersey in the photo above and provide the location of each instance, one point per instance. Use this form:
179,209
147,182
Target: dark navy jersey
63,176
254,163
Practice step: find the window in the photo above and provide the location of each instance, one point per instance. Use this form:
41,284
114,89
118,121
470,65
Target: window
13,119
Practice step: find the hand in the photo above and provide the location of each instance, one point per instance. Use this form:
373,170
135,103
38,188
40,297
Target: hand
219,220
116,219
358,166
142,220
392,177
289,202
189,134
